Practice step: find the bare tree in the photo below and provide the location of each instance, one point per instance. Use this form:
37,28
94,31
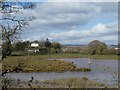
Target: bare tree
12,25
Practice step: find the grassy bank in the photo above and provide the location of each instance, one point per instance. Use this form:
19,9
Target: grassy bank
59,83
38,64
56,56
75,83
70,55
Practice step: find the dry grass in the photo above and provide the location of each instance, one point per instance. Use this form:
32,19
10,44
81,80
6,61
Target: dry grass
38,64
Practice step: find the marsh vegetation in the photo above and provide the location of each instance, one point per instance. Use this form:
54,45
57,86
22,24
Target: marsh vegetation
39,64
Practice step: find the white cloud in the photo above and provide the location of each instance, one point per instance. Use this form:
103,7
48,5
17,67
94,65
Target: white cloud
103,32
64,12
69,18
58,14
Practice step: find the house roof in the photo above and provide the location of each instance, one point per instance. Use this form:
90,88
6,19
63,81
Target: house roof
34,44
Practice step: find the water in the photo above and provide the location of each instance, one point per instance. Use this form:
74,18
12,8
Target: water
104,71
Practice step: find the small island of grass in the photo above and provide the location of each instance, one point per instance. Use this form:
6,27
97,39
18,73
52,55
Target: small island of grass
38,64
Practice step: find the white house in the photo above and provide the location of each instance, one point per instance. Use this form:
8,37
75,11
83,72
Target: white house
117,48
34,47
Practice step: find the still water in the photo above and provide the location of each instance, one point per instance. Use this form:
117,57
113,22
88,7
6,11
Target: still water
105,71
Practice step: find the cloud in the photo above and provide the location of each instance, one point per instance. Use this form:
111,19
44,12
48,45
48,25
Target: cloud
62,15
63,22
103,32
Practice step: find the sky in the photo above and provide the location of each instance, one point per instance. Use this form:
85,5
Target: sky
73,22
65,0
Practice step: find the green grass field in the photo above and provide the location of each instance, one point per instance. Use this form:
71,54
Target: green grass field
108,57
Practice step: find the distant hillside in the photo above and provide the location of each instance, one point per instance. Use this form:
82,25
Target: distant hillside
76,45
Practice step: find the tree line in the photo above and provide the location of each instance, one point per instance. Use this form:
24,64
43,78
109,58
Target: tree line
100,48
95,47
44,47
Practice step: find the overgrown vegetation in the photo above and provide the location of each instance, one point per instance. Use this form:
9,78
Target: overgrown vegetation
38,64
95,47
75,83
5,82
68,83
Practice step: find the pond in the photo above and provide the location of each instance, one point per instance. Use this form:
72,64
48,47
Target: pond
105,71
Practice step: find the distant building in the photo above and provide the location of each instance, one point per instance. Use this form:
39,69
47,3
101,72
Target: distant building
34,47
117,48
71,49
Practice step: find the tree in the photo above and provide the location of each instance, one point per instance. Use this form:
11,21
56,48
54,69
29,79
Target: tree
12,24
56,47
118,51
47,43
41,43
48,46
20,46
96,47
